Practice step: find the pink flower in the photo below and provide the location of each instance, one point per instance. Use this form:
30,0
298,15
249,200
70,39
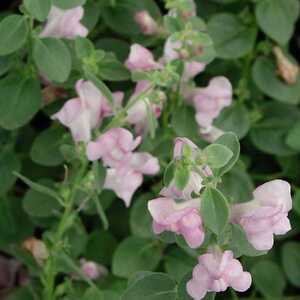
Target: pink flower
84,113
141,59
215,272
172,52
147,24
183,219
211,133
113,147
137,113
126,179
92,270
266,215
210,101
179,145
65,23
194,185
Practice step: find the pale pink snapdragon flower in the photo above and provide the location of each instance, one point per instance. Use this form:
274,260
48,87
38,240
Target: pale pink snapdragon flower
114,147
181,218
126,179
266,215
172,52
137,113
146,23
215,272
141,59
86,112
65,23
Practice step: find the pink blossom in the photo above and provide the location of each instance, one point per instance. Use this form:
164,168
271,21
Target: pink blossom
147,24
172,52
194,185
126,179
113,147
137,113
141,59
65,23
210,101
211,133
215,272
183,219
84,113
266,215
92,270
179,145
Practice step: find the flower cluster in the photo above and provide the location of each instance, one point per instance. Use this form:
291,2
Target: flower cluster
179,211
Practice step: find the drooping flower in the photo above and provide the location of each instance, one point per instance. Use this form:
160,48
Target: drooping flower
266,215
84,113
215,272
210,101
37,248
141,59
127,178
182,218
114,147
147,24
92,270
137,113
65,23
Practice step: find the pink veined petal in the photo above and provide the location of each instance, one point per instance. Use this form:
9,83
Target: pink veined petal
274,193
218,285
118,98
211,262
261,241
193,236
158,228
282,226
196,290
144,163
226,258
232,270
221,88
137,113
242,283
94,151
179,144
161,208
191,69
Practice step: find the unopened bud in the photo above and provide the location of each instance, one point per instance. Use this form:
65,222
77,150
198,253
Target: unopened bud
147,24
37,248
285,68
92,270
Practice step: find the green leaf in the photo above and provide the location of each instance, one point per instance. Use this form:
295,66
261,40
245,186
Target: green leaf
182,176
39,9
45,149
67,4
277,18
24,101
216,155
39,204
39,188
22,293
9,162
111,69
268,279
135,254
265,77
269,135
83,47
296,202
120,17
234,118
93,294
214,210
239,243
153,286
178,263
101,212
169,173
231,141
293,135
184,123
13,32
140,218
100,247
291,262
53,58
232,39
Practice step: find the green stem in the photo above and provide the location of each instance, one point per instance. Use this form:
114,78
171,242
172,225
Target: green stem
50,270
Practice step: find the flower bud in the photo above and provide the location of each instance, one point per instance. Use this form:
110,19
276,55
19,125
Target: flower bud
37,248
146,23
92,270
285,68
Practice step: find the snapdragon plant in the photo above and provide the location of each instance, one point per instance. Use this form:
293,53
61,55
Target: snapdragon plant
149,149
